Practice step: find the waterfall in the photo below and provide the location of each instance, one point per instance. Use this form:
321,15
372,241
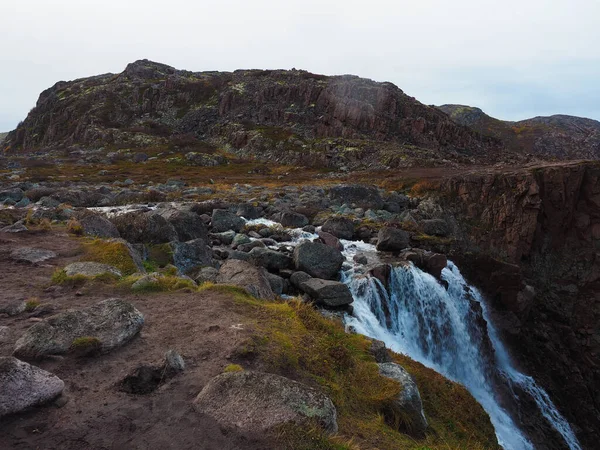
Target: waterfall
442,328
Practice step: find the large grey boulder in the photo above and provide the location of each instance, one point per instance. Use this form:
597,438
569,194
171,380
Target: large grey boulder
327,292
145,227
292,219
91,269
188,225
223,220
96,225
429,262
23,386
318,260
248,276
112,322
270,259
259,402
407,405
340,227
392,240
32,255
330,240
187,255
11,194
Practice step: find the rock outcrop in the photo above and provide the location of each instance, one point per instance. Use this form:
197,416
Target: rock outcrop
259,402
110,323
24,386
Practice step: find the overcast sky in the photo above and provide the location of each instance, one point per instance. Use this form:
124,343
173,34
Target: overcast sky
514,59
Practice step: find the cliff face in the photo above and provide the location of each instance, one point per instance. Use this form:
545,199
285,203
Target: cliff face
292,112
558,136
545,224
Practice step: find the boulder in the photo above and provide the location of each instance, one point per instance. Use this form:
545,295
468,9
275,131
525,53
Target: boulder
407,405
249,211
240,239
98,226
366,197
32,255
432,263
91,269
327,292
276,282
205,274
112,322
145,227
270,259
187,255
17,227
292,219
330,240
392,240
223,220
225,238
24,386
318,260
340,227
297,278
258,402
435,227
11,194
187,225
248,276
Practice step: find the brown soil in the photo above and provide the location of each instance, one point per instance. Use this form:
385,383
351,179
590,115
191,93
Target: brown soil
203,327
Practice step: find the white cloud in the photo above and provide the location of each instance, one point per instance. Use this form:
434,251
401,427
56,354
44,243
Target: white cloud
435,50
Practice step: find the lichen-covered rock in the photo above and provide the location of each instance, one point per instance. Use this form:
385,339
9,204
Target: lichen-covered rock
408,404
270,259
32,255
112,322
188,225
23,386
259,402
248,276
187,255
91,269
318,260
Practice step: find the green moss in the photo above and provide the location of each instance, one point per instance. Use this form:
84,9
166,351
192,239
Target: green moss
160,254
113,253
86,345
60,277
233,368
32,304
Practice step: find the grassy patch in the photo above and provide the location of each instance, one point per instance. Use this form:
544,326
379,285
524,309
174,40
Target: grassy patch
31,304
294,340
233,368
85,346
60,277
113,253
160,283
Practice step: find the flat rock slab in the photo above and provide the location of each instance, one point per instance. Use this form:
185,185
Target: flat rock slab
32,255
256,401
112,322
91,269
24,386
248,276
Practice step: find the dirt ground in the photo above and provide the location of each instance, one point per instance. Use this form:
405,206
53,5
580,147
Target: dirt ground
203,327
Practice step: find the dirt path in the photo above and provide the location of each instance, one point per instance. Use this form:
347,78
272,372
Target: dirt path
202,327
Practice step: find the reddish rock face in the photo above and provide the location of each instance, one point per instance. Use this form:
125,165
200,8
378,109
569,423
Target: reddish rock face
545,224
272,114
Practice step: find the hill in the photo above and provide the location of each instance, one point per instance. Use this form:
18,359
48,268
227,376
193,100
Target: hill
553,137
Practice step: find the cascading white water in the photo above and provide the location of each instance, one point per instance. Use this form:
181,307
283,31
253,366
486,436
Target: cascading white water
439,327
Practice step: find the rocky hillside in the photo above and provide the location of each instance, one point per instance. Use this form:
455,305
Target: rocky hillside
290,116
2,137
554,137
